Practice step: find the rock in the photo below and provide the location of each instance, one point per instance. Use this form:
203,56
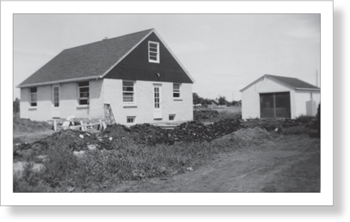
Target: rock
79,153
92,147
81,136
189,168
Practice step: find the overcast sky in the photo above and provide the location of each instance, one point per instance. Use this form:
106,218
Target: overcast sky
222,52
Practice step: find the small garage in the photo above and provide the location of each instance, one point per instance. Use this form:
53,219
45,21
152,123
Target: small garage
273,96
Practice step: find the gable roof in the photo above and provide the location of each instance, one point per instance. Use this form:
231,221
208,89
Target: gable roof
90,61
290,82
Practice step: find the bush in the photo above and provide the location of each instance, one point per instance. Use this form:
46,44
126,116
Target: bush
205,115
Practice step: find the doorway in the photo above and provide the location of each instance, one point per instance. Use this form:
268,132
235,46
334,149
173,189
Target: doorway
275,105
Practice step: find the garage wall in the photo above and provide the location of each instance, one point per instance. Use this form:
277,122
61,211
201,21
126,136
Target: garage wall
251,97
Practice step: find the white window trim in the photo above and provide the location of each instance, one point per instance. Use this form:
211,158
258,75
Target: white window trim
158,52
179,91
30,97
134,93
78,87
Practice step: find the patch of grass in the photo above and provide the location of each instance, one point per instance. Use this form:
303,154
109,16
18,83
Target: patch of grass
126,161
214,115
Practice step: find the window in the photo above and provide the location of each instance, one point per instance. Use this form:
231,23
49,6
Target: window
56,96
176,90
153,52
128,92
172,117
84,93
130,119
33,96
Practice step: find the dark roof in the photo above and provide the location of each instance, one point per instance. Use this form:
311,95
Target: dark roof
293,83
86,61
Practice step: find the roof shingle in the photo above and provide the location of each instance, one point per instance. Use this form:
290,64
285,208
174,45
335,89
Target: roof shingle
90,60
294,82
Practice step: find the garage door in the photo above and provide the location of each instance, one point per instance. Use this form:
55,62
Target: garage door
275,105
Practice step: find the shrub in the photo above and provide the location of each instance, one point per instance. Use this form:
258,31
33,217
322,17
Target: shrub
205,115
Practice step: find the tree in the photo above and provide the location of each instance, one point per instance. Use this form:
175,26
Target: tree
222,100
16,106
196,98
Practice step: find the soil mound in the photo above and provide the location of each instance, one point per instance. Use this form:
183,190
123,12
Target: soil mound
249,134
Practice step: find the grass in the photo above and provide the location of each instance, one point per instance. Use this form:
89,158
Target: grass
216,114
127,161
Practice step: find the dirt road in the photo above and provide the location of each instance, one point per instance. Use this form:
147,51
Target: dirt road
284,164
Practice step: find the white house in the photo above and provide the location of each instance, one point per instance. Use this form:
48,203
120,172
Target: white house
136,75
279,97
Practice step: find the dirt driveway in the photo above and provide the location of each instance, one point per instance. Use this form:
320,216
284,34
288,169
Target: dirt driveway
284,164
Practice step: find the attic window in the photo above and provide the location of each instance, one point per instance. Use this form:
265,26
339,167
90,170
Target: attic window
153,52
84,93
33,96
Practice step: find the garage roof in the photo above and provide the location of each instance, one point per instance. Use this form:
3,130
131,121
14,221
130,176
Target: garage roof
293,83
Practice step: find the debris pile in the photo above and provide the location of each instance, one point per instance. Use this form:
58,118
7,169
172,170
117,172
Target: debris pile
146,134
186,132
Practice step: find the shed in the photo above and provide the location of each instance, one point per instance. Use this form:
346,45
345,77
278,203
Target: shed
273,96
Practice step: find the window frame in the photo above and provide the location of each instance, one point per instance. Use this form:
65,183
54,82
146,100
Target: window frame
157,52
31,102
177,92
130,117
125,91
83,98
172,116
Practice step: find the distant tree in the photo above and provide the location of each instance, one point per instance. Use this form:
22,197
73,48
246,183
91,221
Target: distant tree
222,100
16,106
196,98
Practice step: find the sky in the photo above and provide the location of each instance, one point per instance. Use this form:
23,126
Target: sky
222,52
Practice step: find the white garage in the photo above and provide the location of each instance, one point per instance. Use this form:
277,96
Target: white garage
279,97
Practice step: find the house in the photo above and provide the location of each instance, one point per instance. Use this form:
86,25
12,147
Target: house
214,103
279,97
135,76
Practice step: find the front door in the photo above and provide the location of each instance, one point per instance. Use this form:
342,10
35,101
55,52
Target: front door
55,101
157,102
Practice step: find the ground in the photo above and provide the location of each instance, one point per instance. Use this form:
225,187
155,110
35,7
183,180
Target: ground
284,164
250,159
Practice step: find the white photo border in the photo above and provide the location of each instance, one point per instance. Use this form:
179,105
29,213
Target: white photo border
324,198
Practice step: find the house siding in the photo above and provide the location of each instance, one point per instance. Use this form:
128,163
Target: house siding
68,102
135,66
42,111
251,97
142,108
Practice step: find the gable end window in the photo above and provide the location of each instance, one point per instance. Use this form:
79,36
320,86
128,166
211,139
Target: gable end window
84,93
33,96
128,92
176,90
153,52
